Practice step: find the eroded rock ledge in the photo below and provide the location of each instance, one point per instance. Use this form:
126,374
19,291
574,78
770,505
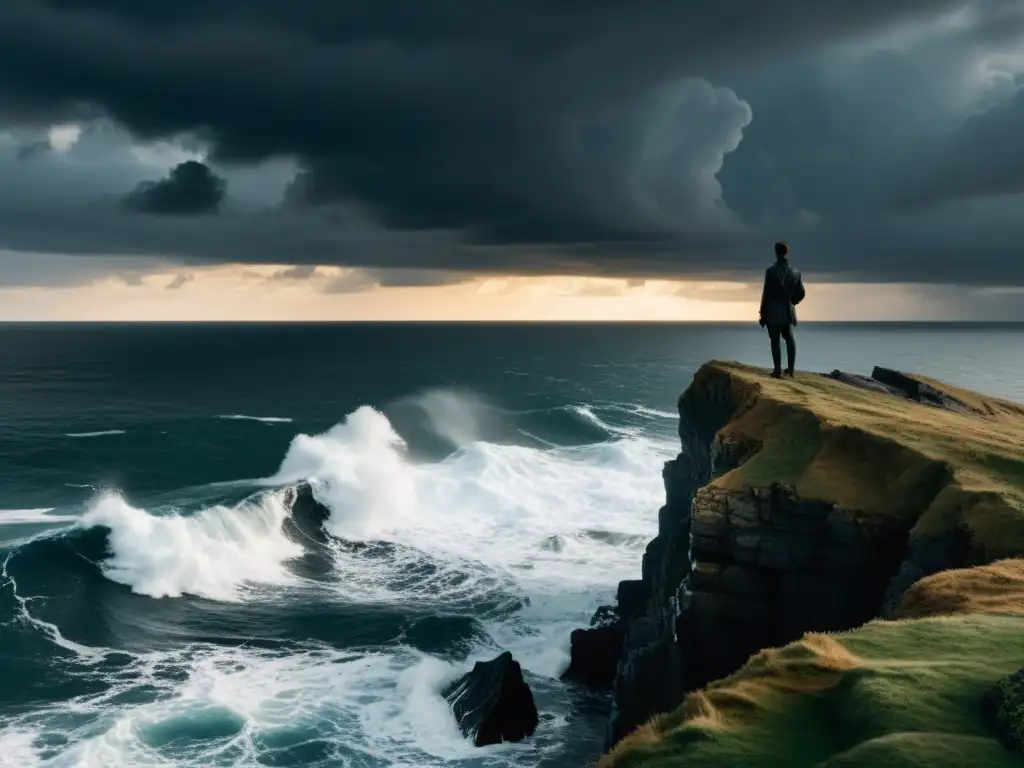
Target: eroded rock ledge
755,547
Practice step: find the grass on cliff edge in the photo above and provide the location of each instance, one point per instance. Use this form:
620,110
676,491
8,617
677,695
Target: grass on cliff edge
887,459
891,694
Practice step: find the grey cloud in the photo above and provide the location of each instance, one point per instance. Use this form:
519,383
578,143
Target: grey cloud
415,278
190,189
297,272
131,279
32,149
984,157
56,270
356,281
179,281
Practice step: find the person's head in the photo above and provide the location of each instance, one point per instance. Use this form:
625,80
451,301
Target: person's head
781,251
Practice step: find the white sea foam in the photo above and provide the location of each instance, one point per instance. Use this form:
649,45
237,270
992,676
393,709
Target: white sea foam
264,419
654,412
378,707
40,516
212,553
101,433
587,413
17,750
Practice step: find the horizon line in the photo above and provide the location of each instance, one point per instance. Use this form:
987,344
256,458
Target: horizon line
4,323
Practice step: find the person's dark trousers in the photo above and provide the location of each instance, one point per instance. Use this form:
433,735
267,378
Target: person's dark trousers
776,332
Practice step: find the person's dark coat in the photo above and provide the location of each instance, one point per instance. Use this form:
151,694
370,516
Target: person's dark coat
783,290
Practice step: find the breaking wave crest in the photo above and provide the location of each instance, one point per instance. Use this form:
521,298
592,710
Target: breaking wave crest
210,554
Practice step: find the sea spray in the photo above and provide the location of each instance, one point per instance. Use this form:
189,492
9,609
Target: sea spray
357,468
211,554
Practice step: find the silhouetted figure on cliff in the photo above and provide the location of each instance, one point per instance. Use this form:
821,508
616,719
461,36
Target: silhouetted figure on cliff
783,290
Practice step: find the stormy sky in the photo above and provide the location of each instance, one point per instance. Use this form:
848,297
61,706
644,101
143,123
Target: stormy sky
424,142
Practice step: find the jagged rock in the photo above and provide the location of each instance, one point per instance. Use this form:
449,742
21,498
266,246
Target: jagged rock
493,703
864,382
1003,707
901,385
645,683
594,654
632,598
918,390
605,615
927,555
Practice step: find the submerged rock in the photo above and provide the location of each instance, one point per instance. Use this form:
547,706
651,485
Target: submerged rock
493,703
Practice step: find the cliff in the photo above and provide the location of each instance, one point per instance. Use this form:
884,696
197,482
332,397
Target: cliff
807,505
903,693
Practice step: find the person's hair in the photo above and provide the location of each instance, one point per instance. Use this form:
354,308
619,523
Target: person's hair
781,250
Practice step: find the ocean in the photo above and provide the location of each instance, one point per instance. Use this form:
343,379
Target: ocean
161,603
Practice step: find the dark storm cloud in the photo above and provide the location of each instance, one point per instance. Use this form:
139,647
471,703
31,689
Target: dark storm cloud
190,189
47,270
985,157
32,149
648,138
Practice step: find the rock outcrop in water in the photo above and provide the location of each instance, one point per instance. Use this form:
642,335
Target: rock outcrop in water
809,505
594,652
493,703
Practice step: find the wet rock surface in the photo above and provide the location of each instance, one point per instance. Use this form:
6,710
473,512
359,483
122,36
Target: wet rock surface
767,567
493,703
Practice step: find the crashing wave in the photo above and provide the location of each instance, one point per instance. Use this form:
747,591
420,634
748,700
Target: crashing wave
212,553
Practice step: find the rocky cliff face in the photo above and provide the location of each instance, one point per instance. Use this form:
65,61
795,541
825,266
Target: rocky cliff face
733,571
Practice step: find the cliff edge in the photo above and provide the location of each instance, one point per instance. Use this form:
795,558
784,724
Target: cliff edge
806,506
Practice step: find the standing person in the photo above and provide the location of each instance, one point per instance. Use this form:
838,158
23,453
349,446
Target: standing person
783,290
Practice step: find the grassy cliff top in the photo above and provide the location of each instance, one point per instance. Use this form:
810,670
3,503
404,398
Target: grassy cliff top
890,694
885,458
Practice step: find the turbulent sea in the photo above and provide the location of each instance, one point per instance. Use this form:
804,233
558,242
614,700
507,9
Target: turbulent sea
162,603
